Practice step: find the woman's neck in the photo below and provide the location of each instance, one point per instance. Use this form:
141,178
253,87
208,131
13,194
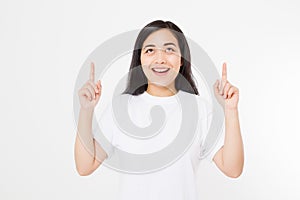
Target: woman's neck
161,91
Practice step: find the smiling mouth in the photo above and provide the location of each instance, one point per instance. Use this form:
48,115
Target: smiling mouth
160,70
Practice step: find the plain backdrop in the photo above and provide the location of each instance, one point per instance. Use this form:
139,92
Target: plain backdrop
43,45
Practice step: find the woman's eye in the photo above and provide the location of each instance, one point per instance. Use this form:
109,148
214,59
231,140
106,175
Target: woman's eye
149,51
170,49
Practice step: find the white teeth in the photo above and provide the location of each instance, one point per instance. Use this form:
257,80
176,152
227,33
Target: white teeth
160,70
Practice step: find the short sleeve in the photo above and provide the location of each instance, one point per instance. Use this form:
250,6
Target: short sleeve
219,142
211,142
103,129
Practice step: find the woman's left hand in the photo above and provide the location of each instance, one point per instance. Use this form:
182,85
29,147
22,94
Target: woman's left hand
226,94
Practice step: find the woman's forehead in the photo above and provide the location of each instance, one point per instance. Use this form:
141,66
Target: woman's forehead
160,38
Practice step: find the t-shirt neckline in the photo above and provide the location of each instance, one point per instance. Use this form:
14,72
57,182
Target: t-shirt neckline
166,99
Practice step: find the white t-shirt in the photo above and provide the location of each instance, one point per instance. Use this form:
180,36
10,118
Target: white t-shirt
177,181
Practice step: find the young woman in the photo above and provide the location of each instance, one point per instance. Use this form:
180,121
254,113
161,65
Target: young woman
161,56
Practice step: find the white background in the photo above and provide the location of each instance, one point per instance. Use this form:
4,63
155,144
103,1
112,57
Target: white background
44,43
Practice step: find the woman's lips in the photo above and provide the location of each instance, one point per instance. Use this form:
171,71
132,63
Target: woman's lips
160,71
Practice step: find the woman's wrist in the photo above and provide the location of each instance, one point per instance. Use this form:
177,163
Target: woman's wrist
230,110
87,112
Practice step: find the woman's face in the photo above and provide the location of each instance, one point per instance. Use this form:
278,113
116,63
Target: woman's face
161,58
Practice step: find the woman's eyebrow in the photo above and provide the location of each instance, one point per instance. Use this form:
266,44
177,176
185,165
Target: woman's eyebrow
169,43
149,45
166,44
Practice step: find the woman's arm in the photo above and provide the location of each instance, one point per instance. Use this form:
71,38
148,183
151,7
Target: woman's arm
230,158
88,154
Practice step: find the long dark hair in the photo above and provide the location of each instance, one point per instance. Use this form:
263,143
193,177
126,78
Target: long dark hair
137,81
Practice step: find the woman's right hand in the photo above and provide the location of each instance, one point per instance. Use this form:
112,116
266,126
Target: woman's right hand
90,92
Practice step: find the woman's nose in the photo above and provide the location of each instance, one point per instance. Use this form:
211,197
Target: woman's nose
160,57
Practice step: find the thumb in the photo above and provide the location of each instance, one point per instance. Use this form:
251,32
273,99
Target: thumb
216,86
99,86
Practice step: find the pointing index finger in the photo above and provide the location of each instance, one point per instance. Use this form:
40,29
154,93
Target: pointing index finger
224,72
92,72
